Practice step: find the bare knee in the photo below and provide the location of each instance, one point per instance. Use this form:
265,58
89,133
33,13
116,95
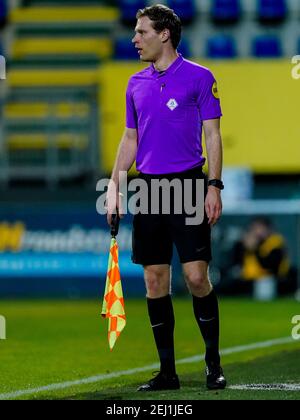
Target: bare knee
157,278
198,283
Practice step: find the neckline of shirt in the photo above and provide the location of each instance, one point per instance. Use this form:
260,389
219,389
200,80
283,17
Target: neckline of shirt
171,69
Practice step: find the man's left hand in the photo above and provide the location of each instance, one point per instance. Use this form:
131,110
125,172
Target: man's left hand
213,205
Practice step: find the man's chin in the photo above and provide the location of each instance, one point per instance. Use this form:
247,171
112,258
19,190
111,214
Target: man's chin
145,59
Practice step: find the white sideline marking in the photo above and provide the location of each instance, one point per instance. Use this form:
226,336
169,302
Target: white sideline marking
267,387
99,378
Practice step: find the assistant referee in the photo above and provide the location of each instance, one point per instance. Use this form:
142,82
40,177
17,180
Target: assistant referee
167,106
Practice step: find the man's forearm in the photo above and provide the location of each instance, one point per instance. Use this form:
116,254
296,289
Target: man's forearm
214,156
125,158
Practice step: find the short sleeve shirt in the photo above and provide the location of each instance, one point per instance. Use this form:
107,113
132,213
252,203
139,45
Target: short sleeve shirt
168,109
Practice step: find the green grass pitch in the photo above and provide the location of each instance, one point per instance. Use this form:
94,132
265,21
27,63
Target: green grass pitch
53,342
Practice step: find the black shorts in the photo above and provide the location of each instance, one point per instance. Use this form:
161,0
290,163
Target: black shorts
153,235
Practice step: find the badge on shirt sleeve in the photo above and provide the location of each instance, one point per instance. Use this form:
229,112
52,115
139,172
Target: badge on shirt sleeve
215,90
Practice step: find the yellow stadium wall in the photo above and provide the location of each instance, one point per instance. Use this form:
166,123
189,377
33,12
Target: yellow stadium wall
260,102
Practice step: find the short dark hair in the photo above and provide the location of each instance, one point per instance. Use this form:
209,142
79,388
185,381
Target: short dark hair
262,220
163,18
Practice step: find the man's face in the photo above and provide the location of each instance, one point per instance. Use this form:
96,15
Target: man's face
260,230
148,42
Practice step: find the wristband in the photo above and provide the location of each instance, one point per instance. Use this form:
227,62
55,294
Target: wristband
216,183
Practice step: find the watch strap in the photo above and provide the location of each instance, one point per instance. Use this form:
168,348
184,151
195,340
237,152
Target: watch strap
216,183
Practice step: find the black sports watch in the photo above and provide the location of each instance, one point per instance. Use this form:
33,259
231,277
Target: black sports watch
216,183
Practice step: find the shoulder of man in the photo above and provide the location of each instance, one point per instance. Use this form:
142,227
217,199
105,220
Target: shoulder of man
140,74
202,78
197,70
274,241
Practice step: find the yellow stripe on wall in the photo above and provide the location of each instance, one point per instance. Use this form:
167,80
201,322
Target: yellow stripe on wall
42,110
102,48
41,141
64,14
260,102
57,77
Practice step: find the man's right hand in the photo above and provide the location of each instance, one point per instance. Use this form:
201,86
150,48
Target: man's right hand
113,202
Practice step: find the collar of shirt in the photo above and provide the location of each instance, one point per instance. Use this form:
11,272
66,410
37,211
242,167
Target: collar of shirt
171,69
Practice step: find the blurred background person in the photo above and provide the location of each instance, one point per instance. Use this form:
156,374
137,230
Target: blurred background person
261,257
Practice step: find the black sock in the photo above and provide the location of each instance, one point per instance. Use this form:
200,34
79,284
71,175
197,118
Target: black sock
206,311
163,322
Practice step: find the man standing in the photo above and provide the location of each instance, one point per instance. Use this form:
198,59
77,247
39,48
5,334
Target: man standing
167,105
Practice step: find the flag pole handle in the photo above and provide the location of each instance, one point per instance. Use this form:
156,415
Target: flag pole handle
115,222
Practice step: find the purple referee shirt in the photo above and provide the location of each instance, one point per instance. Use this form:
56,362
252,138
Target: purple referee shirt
168,109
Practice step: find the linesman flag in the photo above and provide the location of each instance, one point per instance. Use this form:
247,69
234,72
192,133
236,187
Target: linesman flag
113,303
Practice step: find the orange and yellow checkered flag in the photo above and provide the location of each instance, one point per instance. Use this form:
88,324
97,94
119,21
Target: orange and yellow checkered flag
113,303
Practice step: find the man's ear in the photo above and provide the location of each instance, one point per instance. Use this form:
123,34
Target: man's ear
165,35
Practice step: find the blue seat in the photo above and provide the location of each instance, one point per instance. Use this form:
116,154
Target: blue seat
226,11
221,46
125,50
184,48
267,46
185,9
3,11
129,9
272,11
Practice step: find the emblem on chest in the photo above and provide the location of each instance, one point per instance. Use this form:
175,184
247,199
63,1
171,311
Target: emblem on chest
172,104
